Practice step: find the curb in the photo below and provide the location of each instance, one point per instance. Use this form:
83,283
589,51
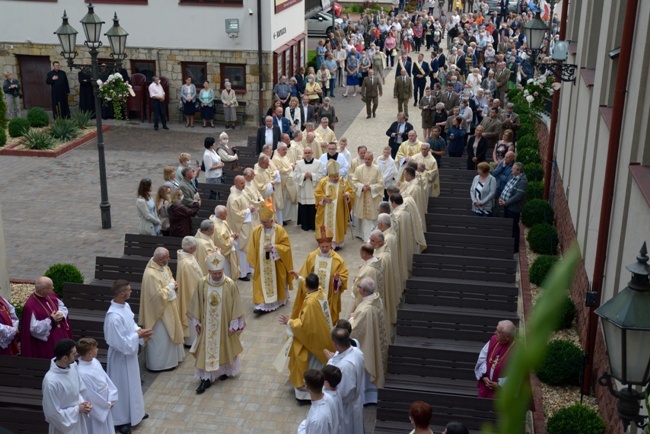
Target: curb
55,153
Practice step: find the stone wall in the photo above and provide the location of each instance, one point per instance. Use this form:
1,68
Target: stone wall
168,64
567,234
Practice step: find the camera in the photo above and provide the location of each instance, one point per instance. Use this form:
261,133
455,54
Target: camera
250,12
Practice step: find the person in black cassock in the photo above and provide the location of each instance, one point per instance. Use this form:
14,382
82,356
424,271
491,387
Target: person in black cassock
86,93
58,81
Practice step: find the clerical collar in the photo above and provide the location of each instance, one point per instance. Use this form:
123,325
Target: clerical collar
332,157
324,255
368,297
215,282
308,161
371,260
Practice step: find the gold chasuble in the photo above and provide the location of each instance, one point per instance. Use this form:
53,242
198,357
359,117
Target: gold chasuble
271,275
188,275
217,307
430,172
414,190
334,214
240,218
369,328
204,248
311,334
366,202
325,267
222,238
392,283
154,301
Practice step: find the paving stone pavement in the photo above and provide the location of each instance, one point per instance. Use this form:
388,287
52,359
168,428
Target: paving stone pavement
51,214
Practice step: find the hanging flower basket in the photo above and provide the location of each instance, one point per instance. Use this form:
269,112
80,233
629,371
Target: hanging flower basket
115,90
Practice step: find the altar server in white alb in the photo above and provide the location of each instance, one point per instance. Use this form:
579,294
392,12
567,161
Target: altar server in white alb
124,338
64,407
320,419
100,390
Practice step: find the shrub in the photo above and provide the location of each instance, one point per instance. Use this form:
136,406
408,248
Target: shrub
535,190
527,142
534,171
577,419
568,314
37,117
82,118
18,127
3,111
39,140
62,273
64,129
543,239
528,156
562,364
540,268
3,137
527,129
537,211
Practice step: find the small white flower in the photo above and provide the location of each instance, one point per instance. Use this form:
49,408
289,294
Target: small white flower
99,83
530,80
530,99
118,75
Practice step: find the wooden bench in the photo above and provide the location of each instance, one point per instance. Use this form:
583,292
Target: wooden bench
450,205
435,291
466,268
145,245
469,225
131,269
22,420
222,190
21,381
90,302
443,243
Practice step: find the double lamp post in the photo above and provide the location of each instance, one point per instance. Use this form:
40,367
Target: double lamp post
116,35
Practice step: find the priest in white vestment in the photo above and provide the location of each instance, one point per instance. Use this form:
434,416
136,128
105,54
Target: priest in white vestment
296,147
368,184
350,361
159,312
320,419
100,390
124,337
205,246
332,154
388,169
370,267
188,275
411,187
226,241
217,313
306,176
240,217
391,277
406,151
410,233
369,328
265,180
64,407
430,170
287,184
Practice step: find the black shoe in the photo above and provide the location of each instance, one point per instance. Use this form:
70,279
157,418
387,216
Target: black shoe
257,311
155,128
205,384
245,279
123,429
374,115
286,223
146,416
165,127
224,377
415,104
367,117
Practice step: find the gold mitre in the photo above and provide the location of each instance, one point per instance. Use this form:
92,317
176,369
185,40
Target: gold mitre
333,168
326,235
265,212
215,262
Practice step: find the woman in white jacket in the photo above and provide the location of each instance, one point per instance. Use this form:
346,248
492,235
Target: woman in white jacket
483,191
149,223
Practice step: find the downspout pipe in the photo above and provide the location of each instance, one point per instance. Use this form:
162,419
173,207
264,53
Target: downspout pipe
611,164
550,148
260,64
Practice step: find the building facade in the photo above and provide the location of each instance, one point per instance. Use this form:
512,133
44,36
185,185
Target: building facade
175,39
595,30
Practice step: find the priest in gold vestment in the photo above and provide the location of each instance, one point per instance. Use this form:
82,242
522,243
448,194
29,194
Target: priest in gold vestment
370,267
226,241
309,332
188,275
411,187
205,246
241,215
406,151
285,167
389,267
217,313
369,328
159,312
410,235
334,199
430,170
331,271
269,253
368,183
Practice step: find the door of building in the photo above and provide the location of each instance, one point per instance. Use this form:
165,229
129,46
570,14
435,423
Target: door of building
33,73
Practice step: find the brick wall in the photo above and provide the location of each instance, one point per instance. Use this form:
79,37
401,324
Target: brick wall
567,234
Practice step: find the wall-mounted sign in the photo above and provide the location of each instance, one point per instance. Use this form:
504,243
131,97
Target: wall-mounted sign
281,5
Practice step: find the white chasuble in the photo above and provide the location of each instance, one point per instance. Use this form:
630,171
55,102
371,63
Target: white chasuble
213,326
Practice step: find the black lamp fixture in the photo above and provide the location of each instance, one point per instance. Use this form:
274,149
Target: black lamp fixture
625,321
536,30
116,35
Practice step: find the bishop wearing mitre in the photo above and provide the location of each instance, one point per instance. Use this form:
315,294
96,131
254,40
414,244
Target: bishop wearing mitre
334,200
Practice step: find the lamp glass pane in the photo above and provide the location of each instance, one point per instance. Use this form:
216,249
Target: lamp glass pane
93,31
613,341
68,42
638,356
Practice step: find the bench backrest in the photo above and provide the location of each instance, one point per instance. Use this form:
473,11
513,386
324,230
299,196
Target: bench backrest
24,372
95,297
20,420
467,268
145,245
130,269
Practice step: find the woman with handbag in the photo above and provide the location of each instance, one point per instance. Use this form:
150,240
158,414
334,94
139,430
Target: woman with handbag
483,191
229,100
206,97
188,98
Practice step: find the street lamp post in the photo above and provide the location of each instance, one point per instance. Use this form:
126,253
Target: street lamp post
67,35
626,328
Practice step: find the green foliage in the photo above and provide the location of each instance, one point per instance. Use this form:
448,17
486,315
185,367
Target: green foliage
543,239
562,364
37,117
528,156
38,140
527,142
3,137
62,273
3,111
64,130
18,127
568,313
577,419
311,58
82,118
537,211
535,190
513,400
540,268
534,171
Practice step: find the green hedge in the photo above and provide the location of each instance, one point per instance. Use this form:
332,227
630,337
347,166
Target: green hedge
527,142
535,190
568,313
37,117
62,273
534,171
562,364
577,419
540,268
528,156
18,127
3,111
3,137
543,239
537,211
